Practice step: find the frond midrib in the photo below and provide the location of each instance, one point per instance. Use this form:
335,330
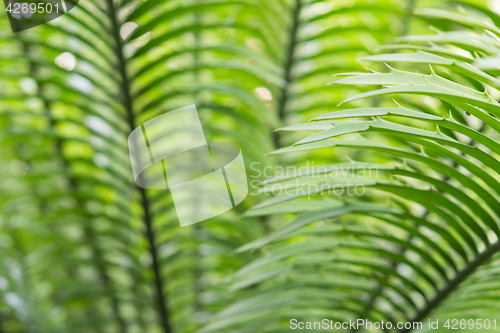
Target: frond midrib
125,84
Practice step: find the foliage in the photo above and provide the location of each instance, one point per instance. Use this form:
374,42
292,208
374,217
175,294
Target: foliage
424,240
83,249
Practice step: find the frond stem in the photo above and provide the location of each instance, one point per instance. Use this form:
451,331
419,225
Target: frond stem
162,307
452,284
288,66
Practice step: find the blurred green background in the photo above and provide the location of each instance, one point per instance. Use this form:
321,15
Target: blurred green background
83,249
